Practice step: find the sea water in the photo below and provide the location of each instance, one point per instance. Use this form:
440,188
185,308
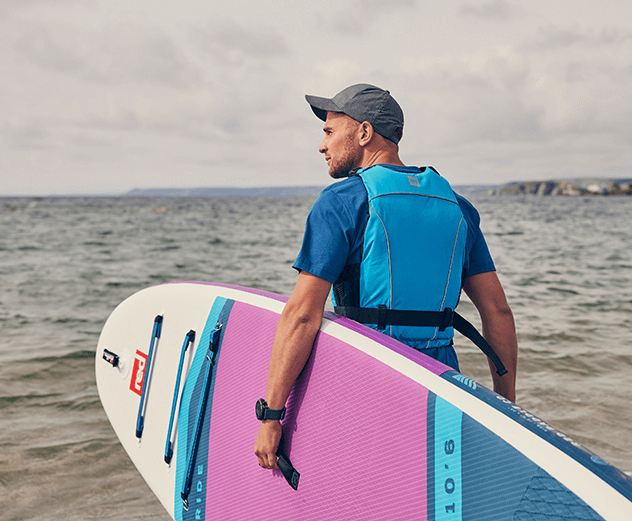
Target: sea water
65,263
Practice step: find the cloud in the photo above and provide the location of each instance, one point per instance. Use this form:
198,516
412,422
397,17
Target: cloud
555,38
46,48
25,136
232,44
124,55
495,10
482,96
357,16
562,82
140,56
213,93
581,77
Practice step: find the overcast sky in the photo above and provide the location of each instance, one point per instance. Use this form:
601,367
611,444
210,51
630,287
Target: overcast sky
102,96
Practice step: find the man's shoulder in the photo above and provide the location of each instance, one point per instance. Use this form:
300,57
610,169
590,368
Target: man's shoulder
348,185
342,201
468,209
348,191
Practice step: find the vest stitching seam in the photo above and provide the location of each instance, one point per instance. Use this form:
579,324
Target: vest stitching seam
413,193
447,284
390,270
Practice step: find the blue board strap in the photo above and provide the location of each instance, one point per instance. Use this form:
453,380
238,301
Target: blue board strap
188,340
210,359
140,419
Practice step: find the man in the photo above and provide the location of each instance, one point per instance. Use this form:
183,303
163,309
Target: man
389,238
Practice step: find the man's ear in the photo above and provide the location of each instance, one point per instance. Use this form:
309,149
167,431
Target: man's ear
366,133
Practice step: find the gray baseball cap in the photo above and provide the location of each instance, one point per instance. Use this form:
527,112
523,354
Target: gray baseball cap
364,102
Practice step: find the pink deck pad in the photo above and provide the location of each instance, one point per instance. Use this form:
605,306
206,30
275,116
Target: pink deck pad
359,442
404,350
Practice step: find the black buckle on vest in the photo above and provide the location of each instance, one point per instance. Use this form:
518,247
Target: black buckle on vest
381,316
446,319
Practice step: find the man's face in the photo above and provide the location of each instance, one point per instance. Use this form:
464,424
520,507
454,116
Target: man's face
340,144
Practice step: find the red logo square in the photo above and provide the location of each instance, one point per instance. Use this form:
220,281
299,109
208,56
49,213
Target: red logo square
138,373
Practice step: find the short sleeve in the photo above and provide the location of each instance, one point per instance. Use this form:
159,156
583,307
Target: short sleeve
329,237
478,259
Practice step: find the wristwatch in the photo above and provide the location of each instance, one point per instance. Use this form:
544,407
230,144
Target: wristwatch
264,412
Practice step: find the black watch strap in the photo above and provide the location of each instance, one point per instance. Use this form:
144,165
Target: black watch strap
274,414
264,412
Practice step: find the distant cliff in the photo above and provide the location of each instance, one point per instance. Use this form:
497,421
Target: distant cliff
568,187
280,191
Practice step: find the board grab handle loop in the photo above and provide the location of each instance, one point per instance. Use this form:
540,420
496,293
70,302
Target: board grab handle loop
290,474
188,340
140,419
210,356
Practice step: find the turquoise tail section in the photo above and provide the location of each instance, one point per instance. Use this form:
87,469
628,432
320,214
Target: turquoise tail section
188,409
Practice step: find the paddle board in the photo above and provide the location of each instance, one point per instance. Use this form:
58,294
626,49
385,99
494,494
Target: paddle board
374,429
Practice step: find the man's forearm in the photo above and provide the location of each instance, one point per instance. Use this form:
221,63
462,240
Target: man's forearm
500,331
486,292
292,346
293,341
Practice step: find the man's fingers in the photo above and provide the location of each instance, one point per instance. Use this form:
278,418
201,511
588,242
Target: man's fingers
268,461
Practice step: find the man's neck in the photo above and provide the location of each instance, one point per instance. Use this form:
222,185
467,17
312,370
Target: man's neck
380,157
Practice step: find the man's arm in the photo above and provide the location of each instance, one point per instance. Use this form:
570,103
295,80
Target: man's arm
300,321
486,292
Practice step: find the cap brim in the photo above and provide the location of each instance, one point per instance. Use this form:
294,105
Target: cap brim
321,106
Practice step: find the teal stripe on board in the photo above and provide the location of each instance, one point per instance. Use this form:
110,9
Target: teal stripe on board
187,395
448,482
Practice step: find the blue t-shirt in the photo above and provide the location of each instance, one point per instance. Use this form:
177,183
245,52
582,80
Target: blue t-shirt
335,224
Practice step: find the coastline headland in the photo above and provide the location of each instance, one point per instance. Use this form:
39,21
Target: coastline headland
589,186
567,187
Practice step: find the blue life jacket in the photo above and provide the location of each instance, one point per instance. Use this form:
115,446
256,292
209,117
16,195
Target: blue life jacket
412,258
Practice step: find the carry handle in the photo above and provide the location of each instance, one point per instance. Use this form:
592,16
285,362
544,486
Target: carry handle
210,356
140,419
290,474
188,340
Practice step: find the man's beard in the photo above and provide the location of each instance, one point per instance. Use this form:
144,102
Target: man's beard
344,166
342,170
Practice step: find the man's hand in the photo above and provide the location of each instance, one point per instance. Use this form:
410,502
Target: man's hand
267,443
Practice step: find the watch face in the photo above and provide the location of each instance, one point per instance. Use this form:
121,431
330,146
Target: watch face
260,408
